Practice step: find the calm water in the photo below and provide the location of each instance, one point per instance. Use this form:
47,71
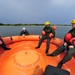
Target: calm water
15,30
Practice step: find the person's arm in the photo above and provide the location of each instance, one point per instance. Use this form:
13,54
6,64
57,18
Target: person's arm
1,40
27,33
43,32
53,32
21,33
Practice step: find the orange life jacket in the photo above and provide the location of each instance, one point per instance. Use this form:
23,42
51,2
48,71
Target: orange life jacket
68,36
72,41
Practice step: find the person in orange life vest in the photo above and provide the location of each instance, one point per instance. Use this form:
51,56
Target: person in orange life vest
69,44
47,33
2,44
24,32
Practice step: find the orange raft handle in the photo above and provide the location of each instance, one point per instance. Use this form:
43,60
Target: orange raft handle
11,38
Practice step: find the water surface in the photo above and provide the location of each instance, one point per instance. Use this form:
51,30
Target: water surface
15,30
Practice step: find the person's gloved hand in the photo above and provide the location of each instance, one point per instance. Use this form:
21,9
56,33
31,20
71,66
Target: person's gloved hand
65,44
23,35
51,35
43,32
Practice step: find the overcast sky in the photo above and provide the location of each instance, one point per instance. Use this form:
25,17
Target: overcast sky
37,11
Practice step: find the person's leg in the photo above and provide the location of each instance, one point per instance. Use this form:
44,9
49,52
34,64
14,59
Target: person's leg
47,45
58,51
67,57
4,46
40,41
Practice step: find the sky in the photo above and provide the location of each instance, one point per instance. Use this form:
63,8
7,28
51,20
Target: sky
37,11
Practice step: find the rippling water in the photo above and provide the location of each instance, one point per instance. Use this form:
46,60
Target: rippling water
15,30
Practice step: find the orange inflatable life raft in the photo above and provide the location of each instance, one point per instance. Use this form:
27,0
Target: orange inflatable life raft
24,59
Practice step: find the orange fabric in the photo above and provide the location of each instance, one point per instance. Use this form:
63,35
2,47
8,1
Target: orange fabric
68,36
24,58
71,41
22,48
25,62
54,27
43,32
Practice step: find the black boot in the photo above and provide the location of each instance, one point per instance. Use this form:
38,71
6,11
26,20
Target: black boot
37,47
46,51
60,64
7,48
50,55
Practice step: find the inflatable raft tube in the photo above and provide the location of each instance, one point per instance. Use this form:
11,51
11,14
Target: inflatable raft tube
24,59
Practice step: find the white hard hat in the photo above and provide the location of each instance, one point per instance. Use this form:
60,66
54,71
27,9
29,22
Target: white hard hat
23,28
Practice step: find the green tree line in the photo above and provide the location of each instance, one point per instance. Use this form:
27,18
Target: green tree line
20,24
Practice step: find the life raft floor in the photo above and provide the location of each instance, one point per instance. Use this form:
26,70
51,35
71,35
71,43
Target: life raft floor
30,45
